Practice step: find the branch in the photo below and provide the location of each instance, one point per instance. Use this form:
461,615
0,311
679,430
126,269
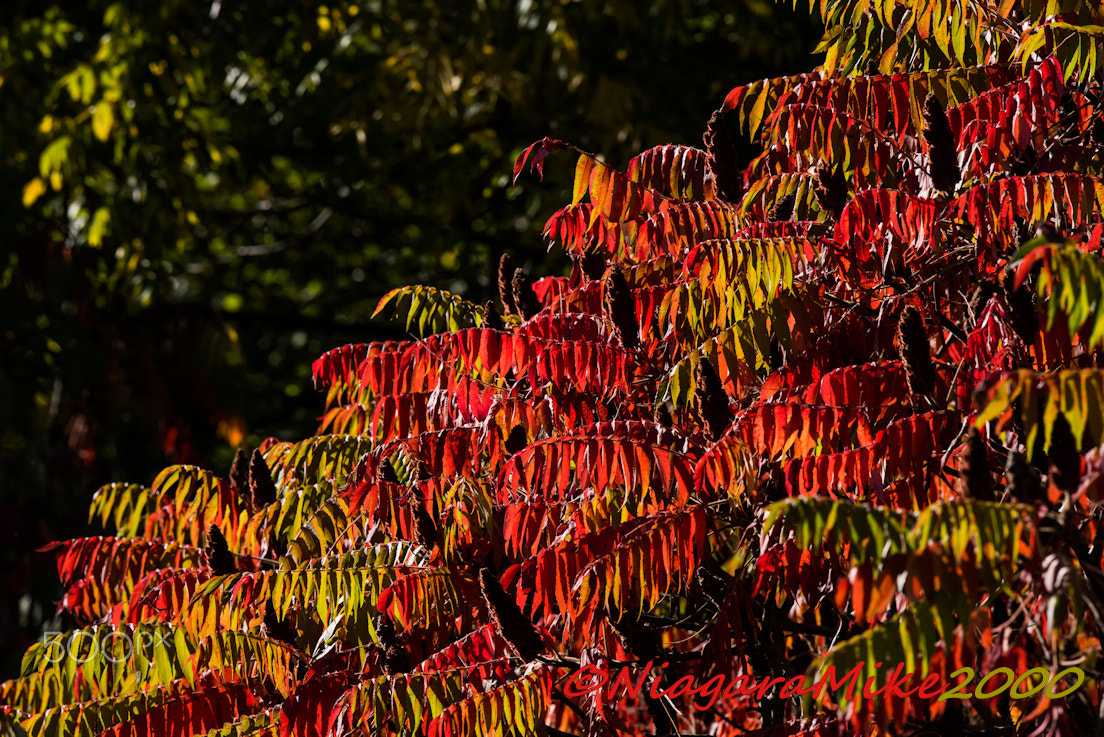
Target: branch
265,249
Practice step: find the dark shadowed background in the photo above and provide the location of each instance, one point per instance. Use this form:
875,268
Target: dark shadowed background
197,199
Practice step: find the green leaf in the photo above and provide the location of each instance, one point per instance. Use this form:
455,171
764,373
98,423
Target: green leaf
434,310
54,156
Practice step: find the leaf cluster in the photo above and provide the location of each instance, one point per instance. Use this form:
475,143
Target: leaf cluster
845,409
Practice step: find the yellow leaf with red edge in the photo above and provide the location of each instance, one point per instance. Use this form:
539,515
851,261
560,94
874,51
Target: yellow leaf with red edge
583,168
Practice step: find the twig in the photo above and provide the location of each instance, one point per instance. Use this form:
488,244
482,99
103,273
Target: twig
264,249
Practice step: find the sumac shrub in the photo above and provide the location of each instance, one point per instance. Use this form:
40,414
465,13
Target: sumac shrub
839,405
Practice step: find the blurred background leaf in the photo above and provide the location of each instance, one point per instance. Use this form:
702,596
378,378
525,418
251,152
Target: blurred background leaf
200,198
